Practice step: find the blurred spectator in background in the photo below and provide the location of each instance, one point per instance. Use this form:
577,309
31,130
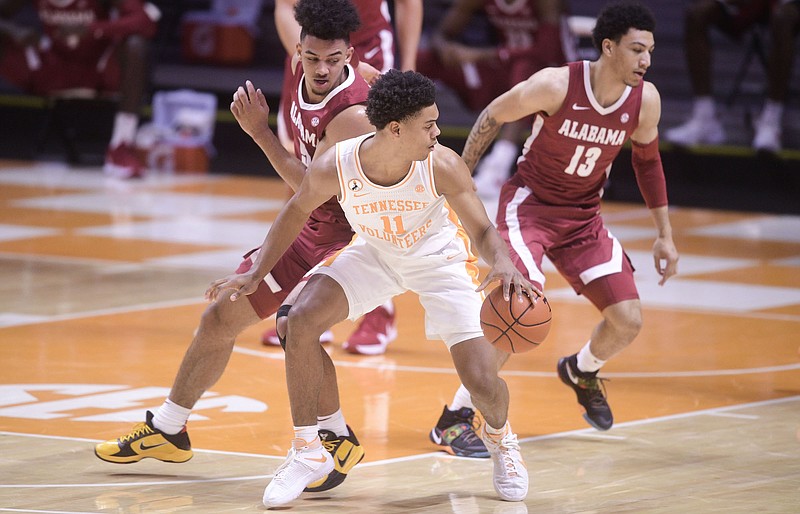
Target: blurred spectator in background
734,18
783,27
530,35
85,47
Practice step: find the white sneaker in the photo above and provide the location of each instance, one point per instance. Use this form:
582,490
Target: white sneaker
510,472
302,467
697,131
768,137
495,168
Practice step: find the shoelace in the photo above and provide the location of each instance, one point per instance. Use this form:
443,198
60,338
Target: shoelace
596,389
280,472
139,429
330,446
507,443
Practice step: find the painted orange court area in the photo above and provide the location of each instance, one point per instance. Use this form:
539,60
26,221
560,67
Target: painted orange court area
99,304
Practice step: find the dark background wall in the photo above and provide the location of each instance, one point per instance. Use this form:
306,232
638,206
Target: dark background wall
726,177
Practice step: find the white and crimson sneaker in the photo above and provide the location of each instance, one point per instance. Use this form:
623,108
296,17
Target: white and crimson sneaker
376,330
303,466
510,472
122,162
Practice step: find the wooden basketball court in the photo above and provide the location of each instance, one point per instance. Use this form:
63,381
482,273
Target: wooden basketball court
102,288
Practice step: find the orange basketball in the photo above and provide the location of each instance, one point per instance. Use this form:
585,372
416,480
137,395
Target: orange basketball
515,326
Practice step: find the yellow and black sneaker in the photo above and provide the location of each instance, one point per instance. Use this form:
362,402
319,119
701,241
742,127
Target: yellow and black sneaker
346,452
146,441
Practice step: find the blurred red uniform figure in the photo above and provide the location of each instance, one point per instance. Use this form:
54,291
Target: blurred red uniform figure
86,47
531,35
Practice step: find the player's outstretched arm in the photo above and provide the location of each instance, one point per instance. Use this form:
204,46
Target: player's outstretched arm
453,181
319,185
544,91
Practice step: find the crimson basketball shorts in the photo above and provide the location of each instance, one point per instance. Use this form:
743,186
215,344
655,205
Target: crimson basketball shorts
303,256
446,287
377,51
44,72
738,17
585,253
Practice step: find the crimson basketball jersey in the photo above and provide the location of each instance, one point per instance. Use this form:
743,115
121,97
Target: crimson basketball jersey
568,155
307,126
516,21
56,14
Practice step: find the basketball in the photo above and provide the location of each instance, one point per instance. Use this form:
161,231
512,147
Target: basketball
515,326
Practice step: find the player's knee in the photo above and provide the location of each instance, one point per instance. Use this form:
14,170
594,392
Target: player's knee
282,324
626,318
303,323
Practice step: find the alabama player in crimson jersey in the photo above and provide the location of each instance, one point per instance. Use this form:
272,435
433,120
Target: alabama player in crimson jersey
374,53
584,112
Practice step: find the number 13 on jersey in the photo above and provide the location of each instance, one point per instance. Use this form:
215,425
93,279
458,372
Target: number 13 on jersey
583,161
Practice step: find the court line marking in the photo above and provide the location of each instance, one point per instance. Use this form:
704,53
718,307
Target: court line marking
580,432
390,366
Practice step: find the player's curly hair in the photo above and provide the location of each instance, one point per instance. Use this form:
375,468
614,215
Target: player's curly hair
616,19
398,96
328,20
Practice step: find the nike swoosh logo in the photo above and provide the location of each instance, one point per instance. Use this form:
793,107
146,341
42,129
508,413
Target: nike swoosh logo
451,257
358,195
371,53
342,462
435,437
317,459
144,447
577,107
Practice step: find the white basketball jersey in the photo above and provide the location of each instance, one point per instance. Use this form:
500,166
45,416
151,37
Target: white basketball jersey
406,219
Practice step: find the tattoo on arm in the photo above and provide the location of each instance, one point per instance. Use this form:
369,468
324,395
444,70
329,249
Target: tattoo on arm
480,137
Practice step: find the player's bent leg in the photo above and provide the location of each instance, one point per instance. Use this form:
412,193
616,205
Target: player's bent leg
621,323
476,363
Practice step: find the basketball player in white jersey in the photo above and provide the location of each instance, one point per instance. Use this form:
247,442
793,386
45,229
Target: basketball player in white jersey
413,207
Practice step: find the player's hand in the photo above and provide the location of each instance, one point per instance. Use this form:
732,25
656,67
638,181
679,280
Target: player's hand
249,107
239,285
665,257
505,271
370,73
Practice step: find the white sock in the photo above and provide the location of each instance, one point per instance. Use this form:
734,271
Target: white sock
704,108
306,437
170,418
496,433
587,362
772,113
335,423
461,399
125,126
